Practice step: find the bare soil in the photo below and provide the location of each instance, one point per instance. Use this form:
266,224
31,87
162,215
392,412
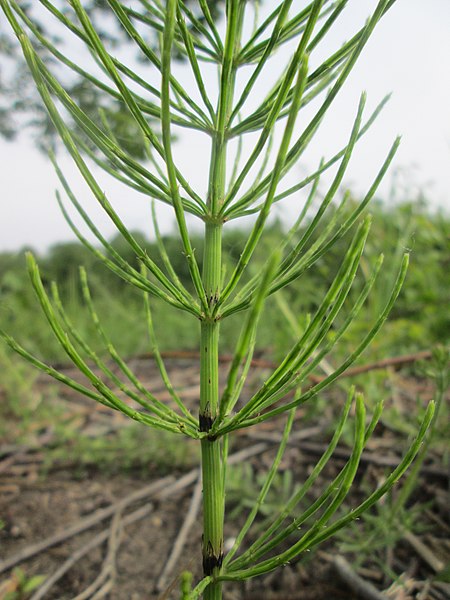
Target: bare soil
40,498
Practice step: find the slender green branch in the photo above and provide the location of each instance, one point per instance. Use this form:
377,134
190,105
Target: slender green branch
212,26
167,143
149,53
161,366
264,213
76,358
314,390
298,58
250,555
190,50
335,498
282,15
245,345
315,332
304,139
277,533
153,406
126,96
134,275
265,488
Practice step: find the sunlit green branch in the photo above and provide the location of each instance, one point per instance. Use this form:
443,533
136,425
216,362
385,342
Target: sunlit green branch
302,142
215,52
157,24
162,412
276,174
161,367
337,180
145,105
272,116
245,294
76,358
125,93
252,52
335,500
229,396
282,15
314,390
150,54
167,143
84,36
279,532
250,554
177,294
240,207
264,489
190,51
118,265
388,483
54,373
212,26
160,406
315,332
325,241
189,120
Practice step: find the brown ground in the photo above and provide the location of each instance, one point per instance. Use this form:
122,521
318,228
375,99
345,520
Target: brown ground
37,500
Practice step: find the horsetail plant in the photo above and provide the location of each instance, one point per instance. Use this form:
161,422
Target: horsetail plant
251,183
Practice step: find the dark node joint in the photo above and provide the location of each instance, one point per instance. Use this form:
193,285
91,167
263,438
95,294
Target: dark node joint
211,562
205,422
213,299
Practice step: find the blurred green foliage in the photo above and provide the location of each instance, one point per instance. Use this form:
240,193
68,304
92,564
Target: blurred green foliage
420,318
19,586
130,448
419,321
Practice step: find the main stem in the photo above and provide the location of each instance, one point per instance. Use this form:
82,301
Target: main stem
212,460
212,467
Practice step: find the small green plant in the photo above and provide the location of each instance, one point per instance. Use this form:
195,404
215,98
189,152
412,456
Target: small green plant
401,514
250,183
19,401
243,485
132,448
20,586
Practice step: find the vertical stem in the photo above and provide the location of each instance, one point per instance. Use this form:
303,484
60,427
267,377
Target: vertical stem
212,456
212,467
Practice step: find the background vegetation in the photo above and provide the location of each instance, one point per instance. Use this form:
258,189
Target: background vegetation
420,319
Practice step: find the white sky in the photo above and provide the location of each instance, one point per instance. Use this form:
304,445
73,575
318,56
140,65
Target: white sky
409,54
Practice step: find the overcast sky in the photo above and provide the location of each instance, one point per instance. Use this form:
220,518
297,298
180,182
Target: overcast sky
408,55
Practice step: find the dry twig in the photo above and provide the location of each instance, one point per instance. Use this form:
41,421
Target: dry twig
367,458
180,540
161,489
103,583
85,549
84,524
395,361
424,551
358,585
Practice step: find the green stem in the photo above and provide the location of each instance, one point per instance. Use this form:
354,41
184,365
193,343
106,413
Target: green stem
212,465
212,456
213,515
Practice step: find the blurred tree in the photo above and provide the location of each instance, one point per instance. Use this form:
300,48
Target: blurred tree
20,104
